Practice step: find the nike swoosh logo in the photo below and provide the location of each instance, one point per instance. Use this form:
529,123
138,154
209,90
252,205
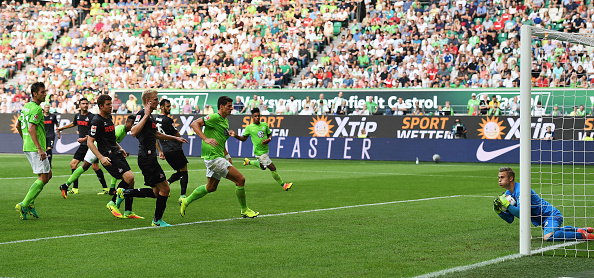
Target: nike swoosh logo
61,148
483,155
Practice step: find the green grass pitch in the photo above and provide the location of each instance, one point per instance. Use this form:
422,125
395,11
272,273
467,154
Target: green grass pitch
340,219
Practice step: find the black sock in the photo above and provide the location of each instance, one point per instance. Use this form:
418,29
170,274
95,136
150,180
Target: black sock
75,183
123,185
183,181
139,193
128,205
49,156
101,178
176,176
160,207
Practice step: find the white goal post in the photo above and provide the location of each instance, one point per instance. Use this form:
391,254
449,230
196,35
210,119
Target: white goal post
526,35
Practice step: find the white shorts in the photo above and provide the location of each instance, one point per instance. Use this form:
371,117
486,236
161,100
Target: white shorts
90,157
264,159
38,166
217,168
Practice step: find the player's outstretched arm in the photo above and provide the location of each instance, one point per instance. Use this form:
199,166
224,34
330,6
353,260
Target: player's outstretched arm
240,138
162,136
64,127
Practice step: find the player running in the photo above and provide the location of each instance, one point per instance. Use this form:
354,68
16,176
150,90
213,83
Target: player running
145,130
82,120
90,158
32,129
51,122
172,150
110,153
217,159
261,136
543,213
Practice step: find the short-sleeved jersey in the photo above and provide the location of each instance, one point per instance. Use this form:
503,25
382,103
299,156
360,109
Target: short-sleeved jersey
215,127
540,209
103,131
50,122
32,114
258,133
83,122
147,137
166,125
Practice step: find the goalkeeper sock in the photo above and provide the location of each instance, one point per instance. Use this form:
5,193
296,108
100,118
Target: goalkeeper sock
101,178
255,162
183,182
160,207
240,192
175,177
277,177
198,193
33,192
74,177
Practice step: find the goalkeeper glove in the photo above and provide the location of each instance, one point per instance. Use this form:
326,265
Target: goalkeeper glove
504,202
497,206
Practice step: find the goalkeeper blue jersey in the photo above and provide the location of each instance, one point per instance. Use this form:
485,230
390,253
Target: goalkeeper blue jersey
540,209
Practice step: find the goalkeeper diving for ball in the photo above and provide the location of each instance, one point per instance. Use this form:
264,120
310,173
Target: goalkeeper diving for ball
543,213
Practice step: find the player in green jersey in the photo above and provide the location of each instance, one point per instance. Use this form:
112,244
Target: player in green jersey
217,159
31,128
90,158
261,136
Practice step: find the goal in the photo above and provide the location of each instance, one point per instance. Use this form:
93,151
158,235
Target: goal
559,169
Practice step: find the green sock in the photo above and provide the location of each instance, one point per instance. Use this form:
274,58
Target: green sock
277,177
75,175
197,194
33,192
113,182
255,163
240,192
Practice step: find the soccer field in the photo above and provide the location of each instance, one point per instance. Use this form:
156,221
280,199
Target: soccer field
340,219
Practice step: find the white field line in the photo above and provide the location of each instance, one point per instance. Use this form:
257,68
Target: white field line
232,219
494,261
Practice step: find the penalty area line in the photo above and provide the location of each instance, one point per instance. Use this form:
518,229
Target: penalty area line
232,219
494,261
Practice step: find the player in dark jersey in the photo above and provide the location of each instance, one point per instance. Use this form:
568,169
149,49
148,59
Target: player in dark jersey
82,120
110,153
51,122
145,130
172,150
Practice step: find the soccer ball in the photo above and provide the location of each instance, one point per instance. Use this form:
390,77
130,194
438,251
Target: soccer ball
436,158
511,200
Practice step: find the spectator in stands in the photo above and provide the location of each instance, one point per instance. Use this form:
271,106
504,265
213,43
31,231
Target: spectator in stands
187,108
371,106
208,110
122,109
484,105
238,106
131,103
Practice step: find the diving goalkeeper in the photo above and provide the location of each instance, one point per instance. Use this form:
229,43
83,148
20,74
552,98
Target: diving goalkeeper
542,212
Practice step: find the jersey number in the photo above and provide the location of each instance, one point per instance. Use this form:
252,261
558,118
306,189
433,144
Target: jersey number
160,128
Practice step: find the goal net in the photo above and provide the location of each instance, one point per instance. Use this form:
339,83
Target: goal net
556,157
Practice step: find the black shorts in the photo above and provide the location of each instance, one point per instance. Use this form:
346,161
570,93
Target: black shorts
118,166
176,159
81,152
49,142
151,170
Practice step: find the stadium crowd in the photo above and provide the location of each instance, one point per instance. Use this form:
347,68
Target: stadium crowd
96,47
